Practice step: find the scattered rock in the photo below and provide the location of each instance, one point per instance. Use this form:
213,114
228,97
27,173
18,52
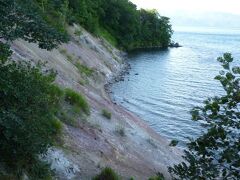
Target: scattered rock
118,77
174,45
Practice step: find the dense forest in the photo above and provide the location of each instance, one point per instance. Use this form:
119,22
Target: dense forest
118,21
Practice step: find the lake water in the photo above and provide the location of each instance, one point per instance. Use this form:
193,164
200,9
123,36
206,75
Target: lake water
171,82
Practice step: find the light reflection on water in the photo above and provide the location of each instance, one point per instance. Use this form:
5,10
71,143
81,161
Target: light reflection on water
171,82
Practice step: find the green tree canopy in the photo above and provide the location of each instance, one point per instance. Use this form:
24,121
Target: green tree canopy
23,19
28,98
28,102
130,27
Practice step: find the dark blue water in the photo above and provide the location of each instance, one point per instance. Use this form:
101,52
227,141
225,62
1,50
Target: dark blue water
171,82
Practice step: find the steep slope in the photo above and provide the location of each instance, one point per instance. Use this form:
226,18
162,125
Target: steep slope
125,142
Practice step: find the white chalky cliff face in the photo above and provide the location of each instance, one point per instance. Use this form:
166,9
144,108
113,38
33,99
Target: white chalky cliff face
60,164
124,143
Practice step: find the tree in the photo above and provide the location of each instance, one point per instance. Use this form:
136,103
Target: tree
129,27
28,98
28,102
216,154
23,19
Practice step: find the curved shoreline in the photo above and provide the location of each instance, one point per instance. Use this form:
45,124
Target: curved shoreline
96,142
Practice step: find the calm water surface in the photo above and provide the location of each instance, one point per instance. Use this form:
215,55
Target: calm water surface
171,82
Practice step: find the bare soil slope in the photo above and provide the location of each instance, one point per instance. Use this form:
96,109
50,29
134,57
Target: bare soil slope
124,142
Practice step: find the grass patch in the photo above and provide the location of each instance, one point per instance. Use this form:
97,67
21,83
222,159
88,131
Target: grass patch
57,124
78,100
84,69
74,107
106,114
107,174
63,51
82,82
69,56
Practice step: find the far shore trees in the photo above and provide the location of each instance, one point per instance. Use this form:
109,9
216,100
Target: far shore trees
122,23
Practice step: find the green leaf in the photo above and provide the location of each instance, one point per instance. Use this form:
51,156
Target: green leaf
218,146
230,76
236,70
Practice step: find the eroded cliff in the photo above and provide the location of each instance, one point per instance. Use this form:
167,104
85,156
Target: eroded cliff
124,142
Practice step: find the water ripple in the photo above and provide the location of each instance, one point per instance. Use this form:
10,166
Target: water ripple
172,82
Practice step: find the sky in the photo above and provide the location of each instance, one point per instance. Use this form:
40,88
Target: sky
197,13
169,6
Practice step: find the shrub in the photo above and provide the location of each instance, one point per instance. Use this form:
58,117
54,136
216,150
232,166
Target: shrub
84,69
107,174
173,143
28,102
5,51
63,51
120,130
68,56
106,114
77,100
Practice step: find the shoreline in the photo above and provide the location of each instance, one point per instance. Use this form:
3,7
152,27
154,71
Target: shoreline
118,76
139,122
139,152
156,48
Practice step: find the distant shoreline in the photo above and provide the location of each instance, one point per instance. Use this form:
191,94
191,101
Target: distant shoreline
206,30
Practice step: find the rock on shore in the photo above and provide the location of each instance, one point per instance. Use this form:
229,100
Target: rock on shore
174,45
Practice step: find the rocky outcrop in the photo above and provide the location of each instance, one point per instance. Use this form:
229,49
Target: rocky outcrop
95,142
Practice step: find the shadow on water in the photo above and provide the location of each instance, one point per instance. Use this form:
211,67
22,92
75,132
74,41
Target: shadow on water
151,51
